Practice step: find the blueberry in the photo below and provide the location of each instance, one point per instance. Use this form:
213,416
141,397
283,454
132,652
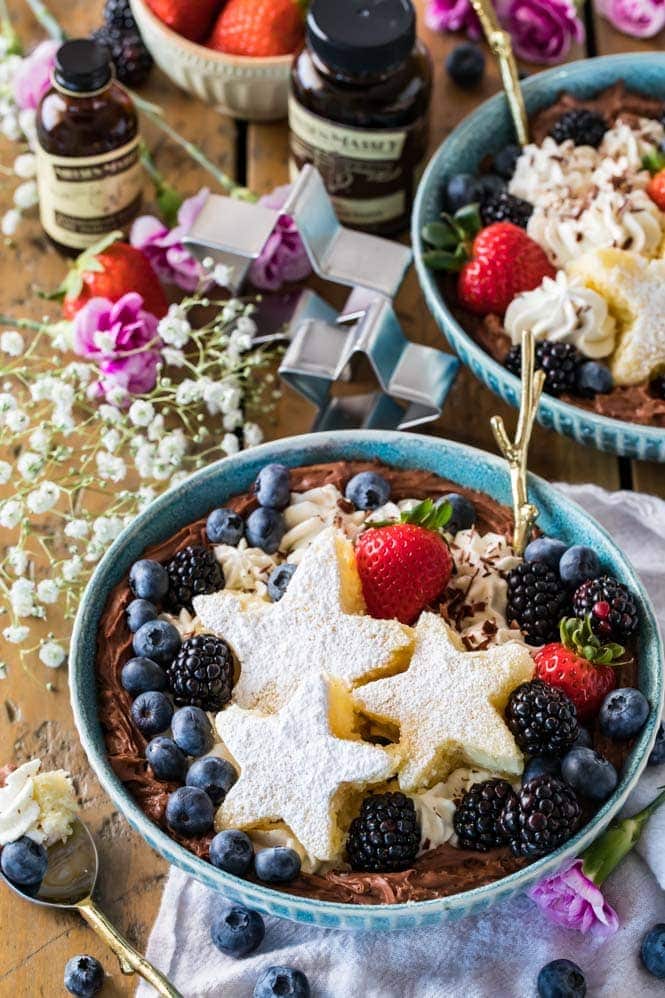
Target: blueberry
561,979
277,866
491,183
541,765
594,378
462,189
215,776
142,675
578,564
583,739
189,812
192,731
466,65
589,774
152,713
84,976
225,526
139,612
264,529
463,512
653,950
272,486
367,490
157,640
278,581
277,981
546,549
24,862
149,580
232,851
657,757
505,160
623,713
168,762
237,931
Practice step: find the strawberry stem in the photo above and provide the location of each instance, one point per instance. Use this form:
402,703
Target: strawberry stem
578,636
451,239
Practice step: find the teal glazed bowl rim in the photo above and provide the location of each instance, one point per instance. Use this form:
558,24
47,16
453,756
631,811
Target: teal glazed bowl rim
484,131
211,487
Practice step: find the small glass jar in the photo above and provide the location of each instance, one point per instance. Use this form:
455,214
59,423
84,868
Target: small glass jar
359,108
88,160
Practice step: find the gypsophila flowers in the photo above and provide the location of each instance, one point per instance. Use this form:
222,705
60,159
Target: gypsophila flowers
52,654
12,342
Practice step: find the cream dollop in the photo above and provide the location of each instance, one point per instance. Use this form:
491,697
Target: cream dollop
436,807
565,311
41,806
245,569
313,511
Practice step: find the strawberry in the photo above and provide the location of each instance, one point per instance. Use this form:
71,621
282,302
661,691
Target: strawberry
404,566
259,28
109,270
656,189
495,263
580,666
190,18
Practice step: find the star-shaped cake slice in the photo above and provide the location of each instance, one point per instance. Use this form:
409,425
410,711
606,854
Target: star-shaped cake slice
297,767
319,625
634,289
448,705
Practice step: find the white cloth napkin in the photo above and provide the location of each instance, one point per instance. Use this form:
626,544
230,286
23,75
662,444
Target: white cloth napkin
496,954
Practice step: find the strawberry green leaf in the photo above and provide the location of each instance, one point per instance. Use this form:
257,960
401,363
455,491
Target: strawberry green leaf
439,259
577,635
654,161
440,235
429,515
468,221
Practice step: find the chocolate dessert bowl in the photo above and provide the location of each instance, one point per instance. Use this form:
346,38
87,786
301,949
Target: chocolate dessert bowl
431,461
482,134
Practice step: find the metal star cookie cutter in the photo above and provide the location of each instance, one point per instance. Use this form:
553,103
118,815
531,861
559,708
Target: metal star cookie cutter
323,342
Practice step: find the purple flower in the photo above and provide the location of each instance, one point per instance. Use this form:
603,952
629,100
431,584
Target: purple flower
121,339
33,79
453,15
639,18
571,899
283,258
172,263
542,30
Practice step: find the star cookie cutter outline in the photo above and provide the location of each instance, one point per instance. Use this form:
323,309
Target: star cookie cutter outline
322,343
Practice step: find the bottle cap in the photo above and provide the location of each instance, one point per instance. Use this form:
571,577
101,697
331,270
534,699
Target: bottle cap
82,66
361,37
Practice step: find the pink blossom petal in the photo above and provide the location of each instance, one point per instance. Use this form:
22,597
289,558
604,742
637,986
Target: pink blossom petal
570,899
191,209
33,78
639,18
146,230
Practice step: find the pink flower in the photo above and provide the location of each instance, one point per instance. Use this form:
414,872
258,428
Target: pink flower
122,340
571,899
453,15
172,263
33,79
639,18
542,30
283,258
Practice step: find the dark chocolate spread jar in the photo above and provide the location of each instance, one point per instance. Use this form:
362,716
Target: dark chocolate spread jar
359,108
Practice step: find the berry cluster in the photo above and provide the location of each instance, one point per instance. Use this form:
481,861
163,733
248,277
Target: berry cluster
121,36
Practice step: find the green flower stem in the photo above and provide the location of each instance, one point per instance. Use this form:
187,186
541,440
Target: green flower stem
604,855
168,198
7,31
30,324
47,20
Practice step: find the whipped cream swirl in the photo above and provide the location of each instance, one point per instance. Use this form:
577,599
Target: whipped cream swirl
313,511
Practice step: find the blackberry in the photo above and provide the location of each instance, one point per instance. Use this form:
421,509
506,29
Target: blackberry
542,719
584,127
611,606
504,207
477,816
118,14
542,816
192,572
536,601
385,836
657,387
202,673
129,55
559,361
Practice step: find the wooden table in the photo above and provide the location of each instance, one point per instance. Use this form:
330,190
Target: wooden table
36,944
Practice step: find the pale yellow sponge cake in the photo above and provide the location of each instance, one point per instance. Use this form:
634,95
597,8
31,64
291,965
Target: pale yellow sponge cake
42,806
448,705
319,625
296,770
634,289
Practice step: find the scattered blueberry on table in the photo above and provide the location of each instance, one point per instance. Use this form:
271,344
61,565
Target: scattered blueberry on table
653,950
282,982
561,979
24,863
466,65
84,976
237,931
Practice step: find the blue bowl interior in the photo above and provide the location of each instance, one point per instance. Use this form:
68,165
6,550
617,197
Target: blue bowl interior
212,487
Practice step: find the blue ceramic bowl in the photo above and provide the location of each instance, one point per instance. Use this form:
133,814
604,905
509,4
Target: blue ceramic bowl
485,131
212,487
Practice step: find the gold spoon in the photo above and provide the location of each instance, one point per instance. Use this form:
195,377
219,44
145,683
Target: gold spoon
501,45
70,883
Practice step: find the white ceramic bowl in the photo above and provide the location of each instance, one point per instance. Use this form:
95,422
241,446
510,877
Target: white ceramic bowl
243,87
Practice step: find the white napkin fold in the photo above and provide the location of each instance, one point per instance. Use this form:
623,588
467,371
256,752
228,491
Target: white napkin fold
496,954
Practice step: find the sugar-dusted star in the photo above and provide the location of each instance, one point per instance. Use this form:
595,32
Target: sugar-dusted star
634,289
448,705
319,625
295,768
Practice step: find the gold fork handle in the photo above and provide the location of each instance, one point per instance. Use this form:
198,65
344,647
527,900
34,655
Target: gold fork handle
131,961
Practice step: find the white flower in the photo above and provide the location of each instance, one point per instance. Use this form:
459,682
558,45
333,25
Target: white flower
178,478
5,472
72,568
63,420
26,195
27,120
11,513
25,166
232,420
44,389
29,465
252,434
222,396
78,529
10,222
16,634
106,528
111,468
48,591
246,326
44,497
7,404
22,597
17,560
239,342
111,440
117,396
145,496
174,328
231,310
173,447
109,413
222,275
230,444
12,343
17,420
144,460
52,654
10,127
40,440
188,392
79,372
95,550
157,428
173,357
141,413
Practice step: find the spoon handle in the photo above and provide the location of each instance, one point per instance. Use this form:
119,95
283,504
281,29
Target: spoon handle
131,961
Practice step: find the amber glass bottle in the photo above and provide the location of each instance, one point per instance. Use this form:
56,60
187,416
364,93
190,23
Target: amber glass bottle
89,169
359,108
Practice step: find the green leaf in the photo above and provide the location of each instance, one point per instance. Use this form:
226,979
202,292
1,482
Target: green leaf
169,201
443,260
578,636
468,220
605,854
440,235
654,161
429,515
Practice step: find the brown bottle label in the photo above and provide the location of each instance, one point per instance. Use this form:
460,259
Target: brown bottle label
82,198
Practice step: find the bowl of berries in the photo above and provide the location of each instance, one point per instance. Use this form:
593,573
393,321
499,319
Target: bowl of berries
233,53
564,237
317,677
